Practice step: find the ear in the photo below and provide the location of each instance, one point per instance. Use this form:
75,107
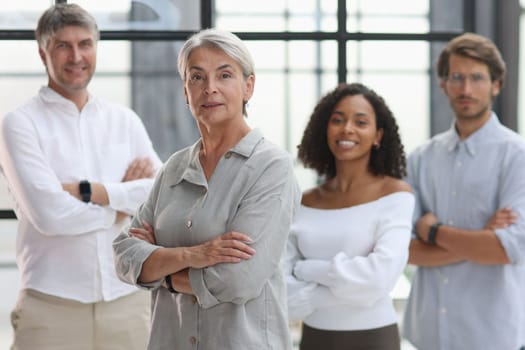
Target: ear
379,136
443,86
496,88
186,95
249,85
42,55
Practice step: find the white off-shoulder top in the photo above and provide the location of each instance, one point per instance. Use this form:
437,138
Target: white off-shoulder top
342,263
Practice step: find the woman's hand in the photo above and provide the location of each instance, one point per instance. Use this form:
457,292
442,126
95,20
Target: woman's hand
231,247
502,218
145,233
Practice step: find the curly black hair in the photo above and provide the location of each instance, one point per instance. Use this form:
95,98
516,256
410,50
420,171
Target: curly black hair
388,159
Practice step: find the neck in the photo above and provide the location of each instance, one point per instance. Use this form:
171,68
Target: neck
216,142
79,98
467,126
350,176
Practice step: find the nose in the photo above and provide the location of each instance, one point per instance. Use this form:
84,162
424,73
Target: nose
210,86
75,54
348,127
466,84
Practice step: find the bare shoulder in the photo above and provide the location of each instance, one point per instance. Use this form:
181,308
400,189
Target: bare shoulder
311,197
393,185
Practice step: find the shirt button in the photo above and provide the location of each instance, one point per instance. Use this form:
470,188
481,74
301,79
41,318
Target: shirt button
193,340
228,155
443,310
459,164
189,224
445,280
451,223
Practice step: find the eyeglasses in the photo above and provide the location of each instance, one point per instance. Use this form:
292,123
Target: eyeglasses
458,79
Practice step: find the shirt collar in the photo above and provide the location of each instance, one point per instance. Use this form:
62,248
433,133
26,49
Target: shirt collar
472,142
193,171
51,96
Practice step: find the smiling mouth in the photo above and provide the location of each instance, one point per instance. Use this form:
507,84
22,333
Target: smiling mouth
76,69
346,143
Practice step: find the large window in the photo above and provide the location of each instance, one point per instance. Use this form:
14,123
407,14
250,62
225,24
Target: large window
301,48
521,91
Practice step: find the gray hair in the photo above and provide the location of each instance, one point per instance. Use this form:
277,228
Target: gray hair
228,42
61,15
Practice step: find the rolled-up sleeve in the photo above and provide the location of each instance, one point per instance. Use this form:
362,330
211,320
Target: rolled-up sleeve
512,195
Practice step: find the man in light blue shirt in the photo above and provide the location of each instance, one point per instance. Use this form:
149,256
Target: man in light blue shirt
470,214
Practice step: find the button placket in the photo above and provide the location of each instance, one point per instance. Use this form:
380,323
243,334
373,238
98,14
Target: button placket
193,340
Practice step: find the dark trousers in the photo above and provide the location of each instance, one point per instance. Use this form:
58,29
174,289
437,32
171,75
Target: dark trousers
384,338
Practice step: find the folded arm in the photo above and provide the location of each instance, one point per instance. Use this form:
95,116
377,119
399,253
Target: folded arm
454,244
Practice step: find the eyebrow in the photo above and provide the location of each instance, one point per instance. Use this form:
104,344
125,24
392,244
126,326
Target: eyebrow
224,66
357,114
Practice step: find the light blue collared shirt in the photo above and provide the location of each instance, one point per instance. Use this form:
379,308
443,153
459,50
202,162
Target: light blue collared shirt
463,182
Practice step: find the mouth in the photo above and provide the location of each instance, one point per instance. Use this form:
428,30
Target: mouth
464,101
346,143
76,69
211,104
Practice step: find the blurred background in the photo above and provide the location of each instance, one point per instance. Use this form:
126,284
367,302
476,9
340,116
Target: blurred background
301,48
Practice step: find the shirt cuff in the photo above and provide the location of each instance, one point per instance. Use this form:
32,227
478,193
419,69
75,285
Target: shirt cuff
198,285
510,245
116,195
110,216
311,270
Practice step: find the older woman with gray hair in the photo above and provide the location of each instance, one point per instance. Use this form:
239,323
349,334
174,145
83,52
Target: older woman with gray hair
209,240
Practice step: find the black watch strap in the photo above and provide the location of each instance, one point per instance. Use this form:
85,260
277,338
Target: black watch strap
167,279
84,188
432,233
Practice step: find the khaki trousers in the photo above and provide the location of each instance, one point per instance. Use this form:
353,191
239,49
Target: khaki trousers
45,322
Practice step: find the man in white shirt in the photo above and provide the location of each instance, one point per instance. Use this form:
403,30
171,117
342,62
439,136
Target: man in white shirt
77,167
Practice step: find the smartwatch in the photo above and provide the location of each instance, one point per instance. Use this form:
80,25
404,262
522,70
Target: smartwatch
432,233
85,190
167,279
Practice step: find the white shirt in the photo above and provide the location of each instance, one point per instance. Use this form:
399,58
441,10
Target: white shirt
63,245
343,263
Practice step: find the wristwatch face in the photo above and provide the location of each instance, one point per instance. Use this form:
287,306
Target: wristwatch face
85,190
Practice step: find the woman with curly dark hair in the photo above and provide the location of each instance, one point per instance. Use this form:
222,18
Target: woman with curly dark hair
349,242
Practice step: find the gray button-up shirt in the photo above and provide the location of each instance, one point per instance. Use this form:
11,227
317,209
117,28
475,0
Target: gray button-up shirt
468,305
236,306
